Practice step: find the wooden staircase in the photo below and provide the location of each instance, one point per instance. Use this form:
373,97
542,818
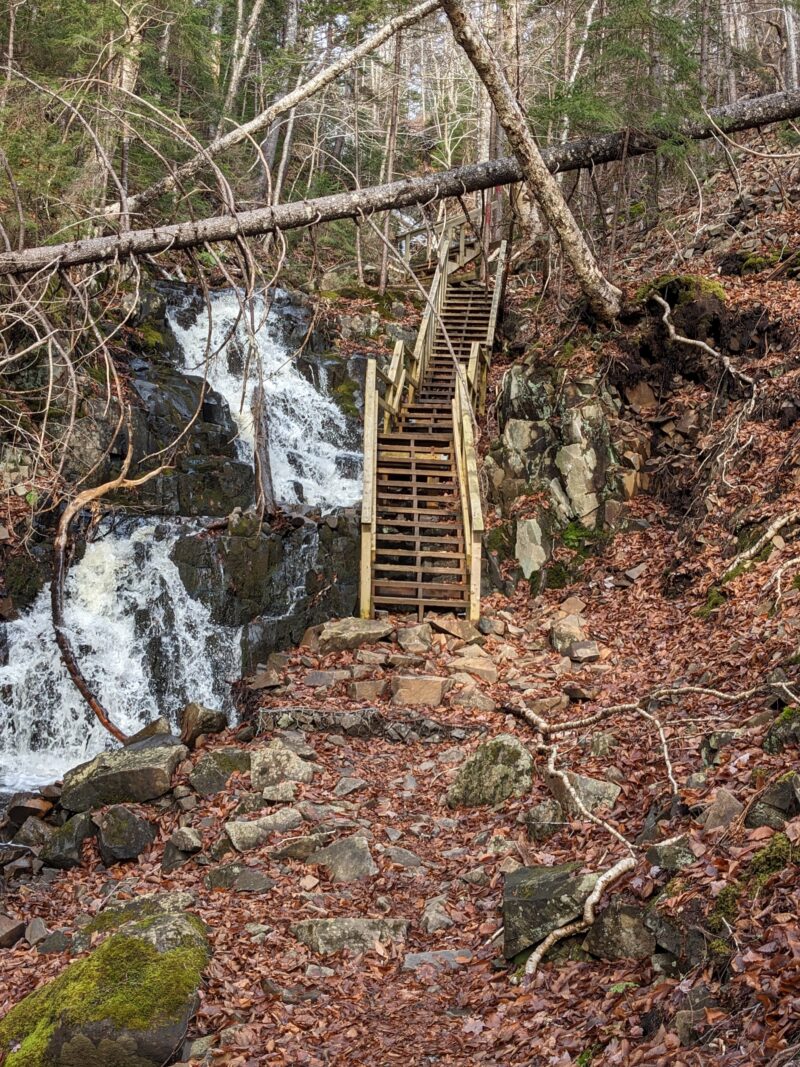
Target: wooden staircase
421,516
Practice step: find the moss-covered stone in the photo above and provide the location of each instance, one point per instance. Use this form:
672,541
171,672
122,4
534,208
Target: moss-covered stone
498,769
682,288
126,1005
784,732
769,860
715,598
213,769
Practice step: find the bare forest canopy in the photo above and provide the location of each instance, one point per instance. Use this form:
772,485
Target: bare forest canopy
572,155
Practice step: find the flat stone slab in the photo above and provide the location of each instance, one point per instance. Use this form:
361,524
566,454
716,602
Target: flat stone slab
120,777
245,836
347,860
326,936
418,689
344,634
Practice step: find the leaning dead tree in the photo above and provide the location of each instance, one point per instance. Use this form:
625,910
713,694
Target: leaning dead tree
603,297
570,156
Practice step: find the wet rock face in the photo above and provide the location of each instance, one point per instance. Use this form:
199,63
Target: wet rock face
274,584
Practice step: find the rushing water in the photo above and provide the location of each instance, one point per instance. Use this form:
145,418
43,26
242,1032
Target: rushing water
145,646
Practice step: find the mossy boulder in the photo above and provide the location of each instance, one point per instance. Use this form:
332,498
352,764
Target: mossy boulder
213,769
63,850
123,776
122,834
497,770
538,900
784,732
128,1004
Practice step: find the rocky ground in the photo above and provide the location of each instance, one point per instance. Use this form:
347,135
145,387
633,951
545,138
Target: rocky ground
407,811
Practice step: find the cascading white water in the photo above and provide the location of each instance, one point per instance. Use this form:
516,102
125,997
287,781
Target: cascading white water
311,445
145,645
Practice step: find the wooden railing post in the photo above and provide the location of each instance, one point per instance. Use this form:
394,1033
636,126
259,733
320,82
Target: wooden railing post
369,499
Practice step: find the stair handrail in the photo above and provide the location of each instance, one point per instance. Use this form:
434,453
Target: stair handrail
423,347
369,500
449,222
396,378
470,492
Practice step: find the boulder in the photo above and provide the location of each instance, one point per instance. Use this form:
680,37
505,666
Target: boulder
120,777
342,634
369,689
415,638
122,834
36,931
23,805
276,764
418,689
63,850
347,860
156,728
11,930
239,878
454,627
583,651
497,770
533,546
211,772
538,900
128,1003
723,809
402,857
620,934
784,732
195,719
592,792
245,836
565,632
34,832
478,666
326,936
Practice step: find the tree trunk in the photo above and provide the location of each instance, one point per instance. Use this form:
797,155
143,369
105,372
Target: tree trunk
574,155
390,154
603,297
265,490
241,56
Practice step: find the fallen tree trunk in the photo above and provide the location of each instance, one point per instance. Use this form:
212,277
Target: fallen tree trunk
572,155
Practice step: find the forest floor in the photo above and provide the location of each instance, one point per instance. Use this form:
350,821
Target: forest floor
268,999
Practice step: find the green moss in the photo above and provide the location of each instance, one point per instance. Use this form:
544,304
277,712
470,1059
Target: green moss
150,338
500,540
715,598
345,397
126,981
725,910
788,716
682,288
769,860
558,576
98,373
719,947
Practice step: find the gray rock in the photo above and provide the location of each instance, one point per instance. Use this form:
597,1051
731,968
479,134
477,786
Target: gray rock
245,836
343,634
36,931
403,857
538,900
195,719
121,777
583,651
497,770
157,728
764,815
476,876
543,820
564,632
282,793
416,690
620,934
593,794
326,936
345,786
11,930
347,860
532,547
415,638
63,850
239,878
441,960
300,848
184,843
784,794
784,732
722,810
122,834
213,770
276,764
435,916
54,943
137,1018
671,856
34,832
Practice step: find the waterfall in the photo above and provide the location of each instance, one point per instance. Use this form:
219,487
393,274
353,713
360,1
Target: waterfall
314,457
146,646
